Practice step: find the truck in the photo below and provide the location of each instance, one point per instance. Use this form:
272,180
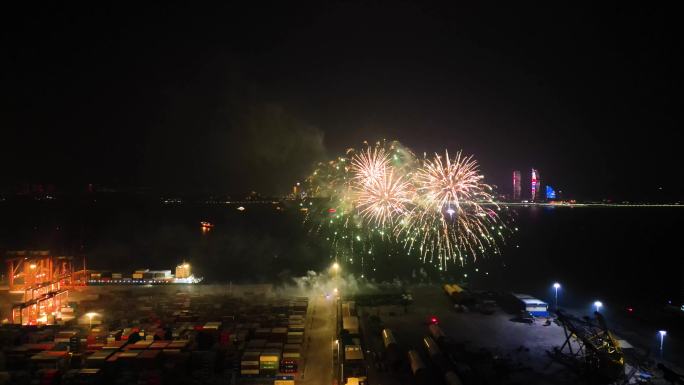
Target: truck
391,346
353,367
351,325
420,372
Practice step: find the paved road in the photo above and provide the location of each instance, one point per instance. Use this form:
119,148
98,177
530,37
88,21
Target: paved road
475,331
318,369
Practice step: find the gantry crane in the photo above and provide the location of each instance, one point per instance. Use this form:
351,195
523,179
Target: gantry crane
590,348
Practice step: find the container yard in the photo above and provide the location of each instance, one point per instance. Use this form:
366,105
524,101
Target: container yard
256,335
162,335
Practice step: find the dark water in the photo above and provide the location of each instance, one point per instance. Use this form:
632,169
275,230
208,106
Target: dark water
125,234
605,252
594,252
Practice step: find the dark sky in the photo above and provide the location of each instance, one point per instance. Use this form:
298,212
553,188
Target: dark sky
241,96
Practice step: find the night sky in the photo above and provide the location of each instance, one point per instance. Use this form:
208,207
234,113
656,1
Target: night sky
240,97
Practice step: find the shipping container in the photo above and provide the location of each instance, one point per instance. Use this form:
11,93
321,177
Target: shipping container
435,354
249,363
349,309
451,378
289,365
284,379
97,359
529,304
418,368
351,325
436,333
50,360
269,363
458,294
114,345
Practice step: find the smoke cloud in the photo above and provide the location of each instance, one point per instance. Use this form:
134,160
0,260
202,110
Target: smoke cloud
277,148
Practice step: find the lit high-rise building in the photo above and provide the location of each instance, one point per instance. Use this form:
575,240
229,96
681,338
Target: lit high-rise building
550,193
517,187
536,182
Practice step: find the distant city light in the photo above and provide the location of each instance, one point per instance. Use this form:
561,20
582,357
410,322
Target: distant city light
90,318
535,185
598,305
662,333
556,286
550,193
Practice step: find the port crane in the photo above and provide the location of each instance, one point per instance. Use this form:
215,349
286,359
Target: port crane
590,348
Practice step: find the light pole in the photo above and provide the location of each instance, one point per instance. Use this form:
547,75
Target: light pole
336,301
598,305
336,270
90,319
662,333
556,286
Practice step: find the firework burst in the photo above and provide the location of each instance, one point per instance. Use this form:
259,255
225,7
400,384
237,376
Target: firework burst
437,208
370,166
450,221
383,199
444,184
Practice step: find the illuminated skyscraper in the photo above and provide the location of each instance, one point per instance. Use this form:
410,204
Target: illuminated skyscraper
536,181
550,193
516,185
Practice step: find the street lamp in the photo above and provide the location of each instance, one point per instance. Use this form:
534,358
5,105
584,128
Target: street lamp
598,305
336,269
662,333
556,286
90,318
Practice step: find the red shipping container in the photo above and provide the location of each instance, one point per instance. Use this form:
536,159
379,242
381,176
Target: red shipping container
224,338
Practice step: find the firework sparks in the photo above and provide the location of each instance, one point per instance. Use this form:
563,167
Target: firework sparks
438,208
384,198
370,166
450,221
446,183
